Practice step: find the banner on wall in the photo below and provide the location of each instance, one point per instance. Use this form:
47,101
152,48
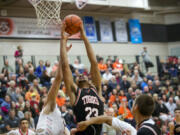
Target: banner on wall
135,31
106,30
121,31
90,28
28,28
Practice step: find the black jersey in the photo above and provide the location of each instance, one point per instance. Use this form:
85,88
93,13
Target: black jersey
177,129
87,105
148,127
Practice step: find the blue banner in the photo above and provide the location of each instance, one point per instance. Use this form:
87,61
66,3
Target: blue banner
135,31
90,28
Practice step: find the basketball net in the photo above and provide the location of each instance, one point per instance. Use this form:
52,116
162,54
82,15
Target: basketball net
81,3
47,11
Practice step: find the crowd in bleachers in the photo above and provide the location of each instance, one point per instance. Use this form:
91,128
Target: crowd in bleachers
23,91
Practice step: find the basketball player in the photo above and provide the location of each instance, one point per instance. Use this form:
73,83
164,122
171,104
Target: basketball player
85,97
175,126
23,128
50,121
142,111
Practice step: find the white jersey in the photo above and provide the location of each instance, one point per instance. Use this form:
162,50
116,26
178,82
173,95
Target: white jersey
18,132
50,124
119,125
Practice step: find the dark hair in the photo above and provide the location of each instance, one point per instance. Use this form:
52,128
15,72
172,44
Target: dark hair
177,109
22,119
145,104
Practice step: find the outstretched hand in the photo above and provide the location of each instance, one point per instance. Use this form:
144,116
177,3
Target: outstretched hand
127,132
73,131
68,47
83,35
82,125
64,35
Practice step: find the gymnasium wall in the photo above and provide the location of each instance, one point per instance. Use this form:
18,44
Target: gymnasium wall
153,27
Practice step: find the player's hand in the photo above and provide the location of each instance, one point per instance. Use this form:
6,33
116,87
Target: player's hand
64,35
82,125
73,131
83,35
68,47
127,132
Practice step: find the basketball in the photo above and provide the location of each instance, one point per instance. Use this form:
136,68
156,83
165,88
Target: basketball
73,23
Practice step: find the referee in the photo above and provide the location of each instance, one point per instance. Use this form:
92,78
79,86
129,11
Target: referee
141,110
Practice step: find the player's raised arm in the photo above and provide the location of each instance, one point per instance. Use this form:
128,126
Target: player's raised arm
114,122
95,120
95,73
51,97
67,74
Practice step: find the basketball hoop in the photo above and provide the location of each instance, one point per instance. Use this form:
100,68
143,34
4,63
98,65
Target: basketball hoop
81,3
47,11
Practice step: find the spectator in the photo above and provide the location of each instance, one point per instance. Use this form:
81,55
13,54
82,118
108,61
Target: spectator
27,115
112,97
144,83
131,101
122,96
124,111
118,65
156,112
19,66
78,66
34,112
112,84
7,67
20,113
15,95
11,88
26,69
5,106
109,65
12,121
19,52
107,75
40,68
128,94
36,85
125,84
171,106
108,130
54,68
31,76
118,77
21,102
68,117
48,67
45,79
60,99
32,92
102,67
136,77
105,92
146,59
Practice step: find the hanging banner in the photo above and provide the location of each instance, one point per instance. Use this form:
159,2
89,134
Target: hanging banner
121,31
28,28
106,30
135,31
90,28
